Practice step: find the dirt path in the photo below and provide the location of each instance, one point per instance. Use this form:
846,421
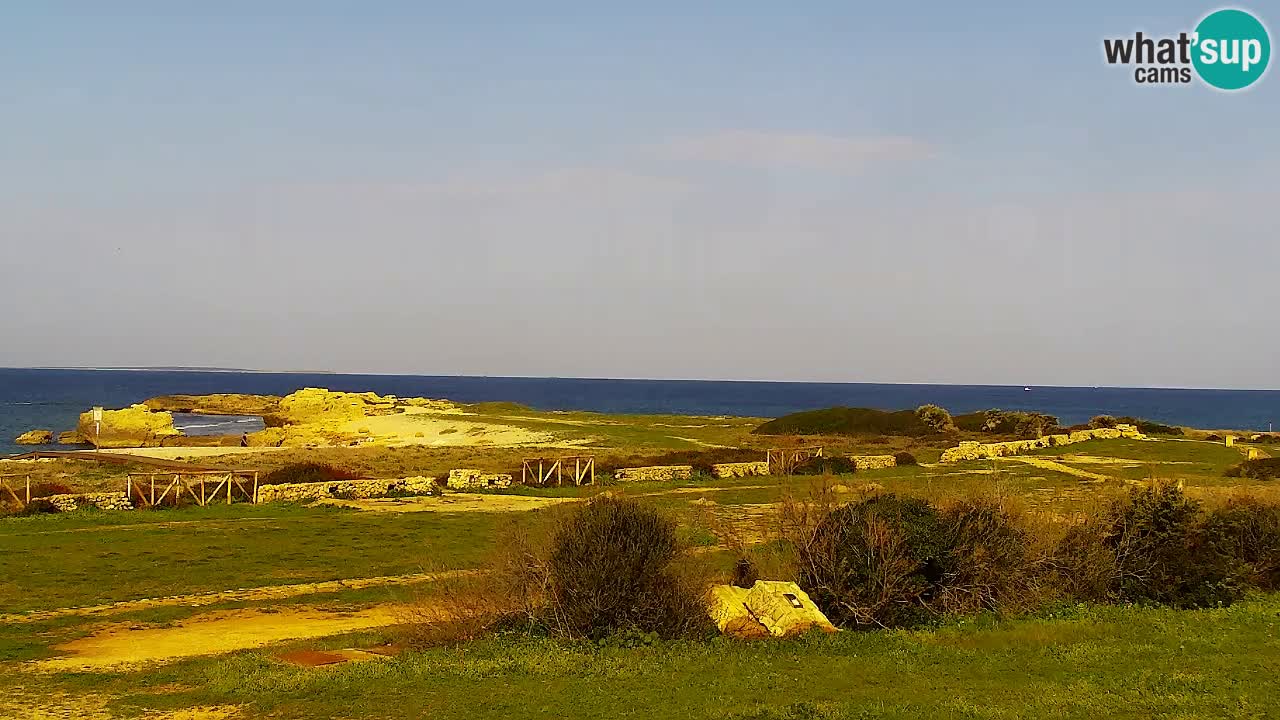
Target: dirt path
18,702
267,592
1044,464
453,502
165,524
696,490
121,646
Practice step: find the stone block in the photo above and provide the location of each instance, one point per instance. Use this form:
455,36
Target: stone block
653,473
740,469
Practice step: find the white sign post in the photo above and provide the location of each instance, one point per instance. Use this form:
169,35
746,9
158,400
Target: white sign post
97,425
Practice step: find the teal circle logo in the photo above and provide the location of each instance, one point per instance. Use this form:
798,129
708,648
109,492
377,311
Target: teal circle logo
1232,49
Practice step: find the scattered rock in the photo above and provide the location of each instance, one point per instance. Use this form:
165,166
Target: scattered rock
784,609
132,427
728,607
35,437
768,609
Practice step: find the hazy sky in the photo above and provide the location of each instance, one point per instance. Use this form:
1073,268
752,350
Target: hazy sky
913,192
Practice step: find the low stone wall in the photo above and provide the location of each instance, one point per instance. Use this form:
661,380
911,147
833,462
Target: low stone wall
102,501
985,451
740,469
873,462
477,480
653,473
346,489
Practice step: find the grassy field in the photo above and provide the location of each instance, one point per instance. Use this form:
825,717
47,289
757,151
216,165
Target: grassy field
1085,662
53,561
1075,662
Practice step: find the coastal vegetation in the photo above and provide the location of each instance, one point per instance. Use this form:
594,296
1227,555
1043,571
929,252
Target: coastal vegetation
1127,577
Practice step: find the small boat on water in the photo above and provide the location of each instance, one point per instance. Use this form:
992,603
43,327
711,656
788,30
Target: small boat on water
1026,389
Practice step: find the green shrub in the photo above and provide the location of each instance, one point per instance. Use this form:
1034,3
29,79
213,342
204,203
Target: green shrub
306,472
1249,530
825,466
936,418
1150,427
1002,422
847,421
1260,469
1164,555
1102,421
612,568
905,458
875,563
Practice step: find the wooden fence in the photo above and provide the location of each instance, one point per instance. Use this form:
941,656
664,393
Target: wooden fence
141,487
541,470
7,489
782,461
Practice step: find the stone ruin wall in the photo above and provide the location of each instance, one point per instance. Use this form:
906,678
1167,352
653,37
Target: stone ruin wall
466,479
101,501
985,451
873,462
346,489
653,473
740,469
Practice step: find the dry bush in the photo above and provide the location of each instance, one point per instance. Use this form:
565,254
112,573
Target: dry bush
875,562
509,591
991,562
593,570
1083,567
613,566
45,488
1260,469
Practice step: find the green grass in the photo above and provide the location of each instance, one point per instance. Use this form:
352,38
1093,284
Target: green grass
1082,662
1087,662
90,558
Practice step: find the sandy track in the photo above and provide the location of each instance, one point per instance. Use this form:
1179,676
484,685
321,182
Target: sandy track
121,646
1044,464
698,490
267,592
453,502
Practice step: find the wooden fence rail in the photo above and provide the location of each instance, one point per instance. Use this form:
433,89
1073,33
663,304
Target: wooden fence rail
782,461
541,470
4,485
141,487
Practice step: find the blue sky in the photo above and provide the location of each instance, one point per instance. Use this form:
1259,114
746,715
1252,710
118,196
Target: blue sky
930,192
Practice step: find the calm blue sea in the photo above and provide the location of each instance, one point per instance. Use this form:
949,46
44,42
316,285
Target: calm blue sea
54,398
